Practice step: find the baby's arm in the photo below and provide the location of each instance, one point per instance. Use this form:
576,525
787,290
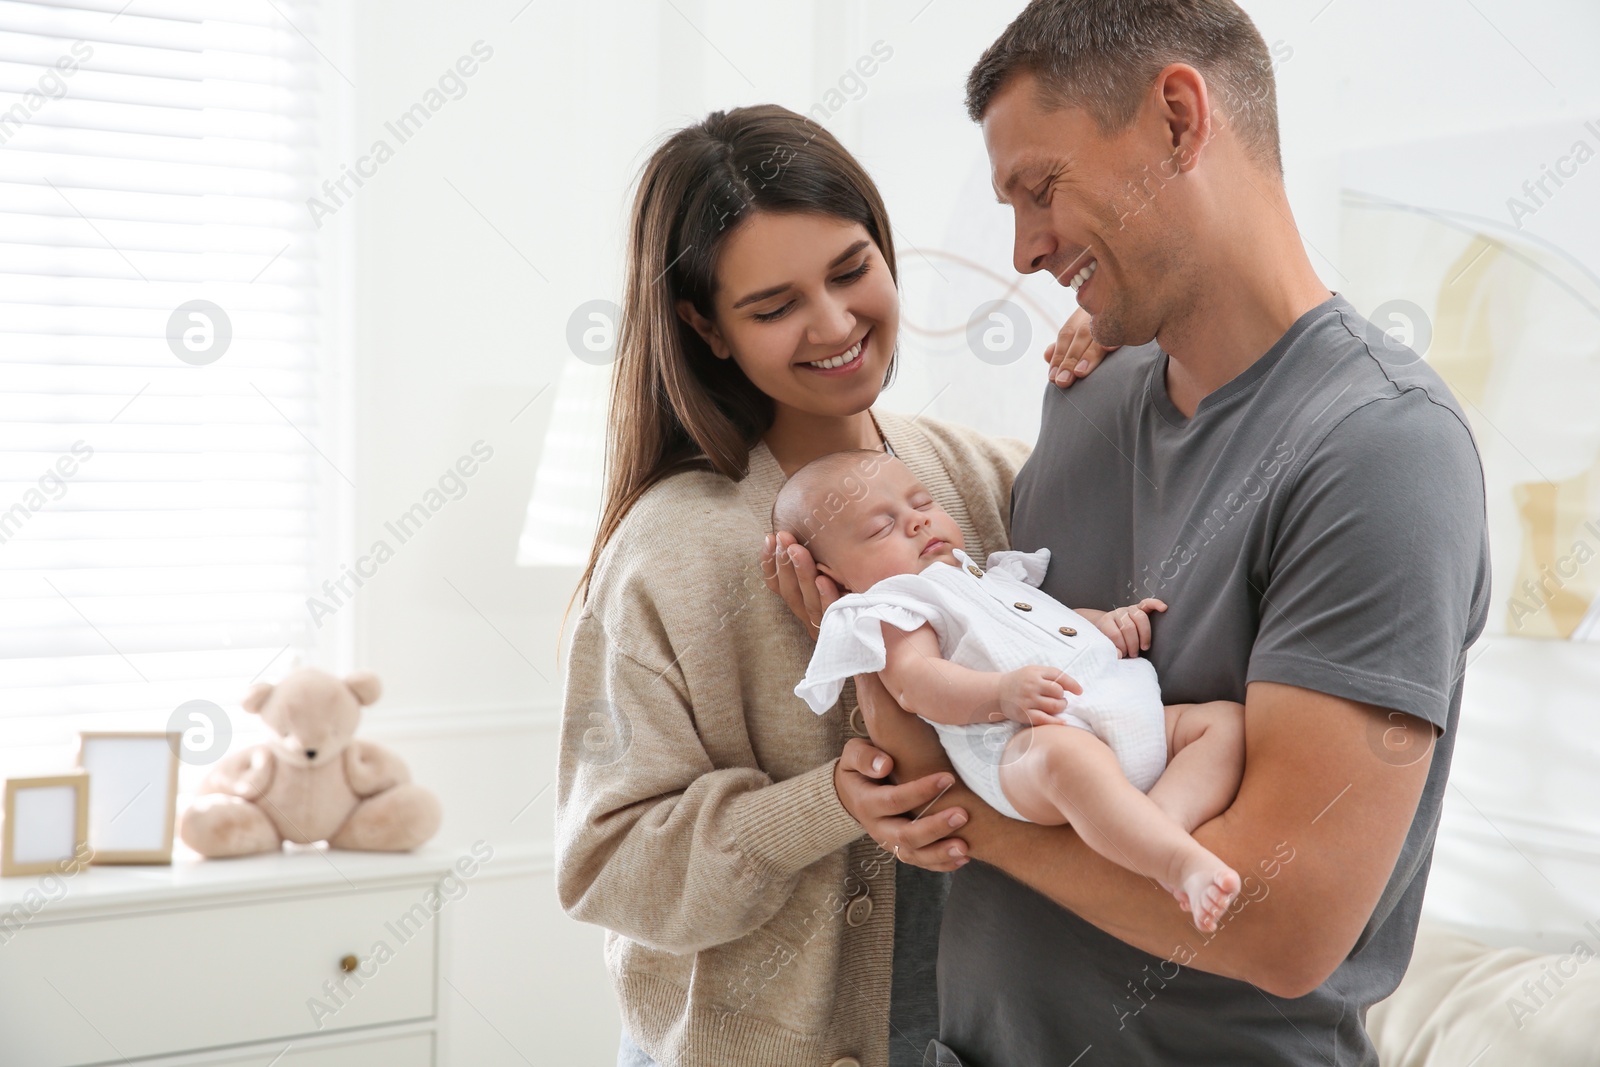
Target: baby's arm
927,684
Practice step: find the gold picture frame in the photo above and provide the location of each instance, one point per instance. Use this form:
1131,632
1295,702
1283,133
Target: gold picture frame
116,794
78,825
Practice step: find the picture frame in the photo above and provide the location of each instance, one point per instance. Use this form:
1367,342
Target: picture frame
133,794
46,829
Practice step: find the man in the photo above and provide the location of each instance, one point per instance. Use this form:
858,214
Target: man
1303,493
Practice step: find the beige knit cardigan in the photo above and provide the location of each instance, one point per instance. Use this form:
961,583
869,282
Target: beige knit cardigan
696,817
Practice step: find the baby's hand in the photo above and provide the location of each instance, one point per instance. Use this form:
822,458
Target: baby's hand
1034,695
1129,627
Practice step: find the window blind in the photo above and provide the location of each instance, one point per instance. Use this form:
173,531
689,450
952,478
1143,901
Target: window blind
159,484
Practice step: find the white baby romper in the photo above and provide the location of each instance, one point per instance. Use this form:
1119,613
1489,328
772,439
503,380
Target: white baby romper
996,619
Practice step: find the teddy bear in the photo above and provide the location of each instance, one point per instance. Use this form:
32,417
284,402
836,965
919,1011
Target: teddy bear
313,782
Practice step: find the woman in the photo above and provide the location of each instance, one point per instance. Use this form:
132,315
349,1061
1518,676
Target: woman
727,838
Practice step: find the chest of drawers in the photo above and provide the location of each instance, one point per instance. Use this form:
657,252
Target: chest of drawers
314,958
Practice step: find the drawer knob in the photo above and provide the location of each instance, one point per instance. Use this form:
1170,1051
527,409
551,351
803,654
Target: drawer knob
349,963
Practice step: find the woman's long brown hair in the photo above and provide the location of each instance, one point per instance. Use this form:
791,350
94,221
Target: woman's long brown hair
674,405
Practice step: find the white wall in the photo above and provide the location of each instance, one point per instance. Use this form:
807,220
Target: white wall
453,329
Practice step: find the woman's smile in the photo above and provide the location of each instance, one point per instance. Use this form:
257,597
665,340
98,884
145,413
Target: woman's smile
849,361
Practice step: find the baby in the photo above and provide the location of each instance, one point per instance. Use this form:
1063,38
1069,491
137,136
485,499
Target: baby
988,659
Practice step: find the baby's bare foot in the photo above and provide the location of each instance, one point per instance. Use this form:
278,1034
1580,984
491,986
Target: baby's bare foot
1207,889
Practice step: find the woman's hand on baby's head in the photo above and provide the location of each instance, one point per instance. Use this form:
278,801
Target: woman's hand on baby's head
1074,354
1034,695
1129,627
789,571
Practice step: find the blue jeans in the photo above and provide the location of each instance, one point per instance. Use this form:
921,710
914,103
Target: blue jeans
631,1055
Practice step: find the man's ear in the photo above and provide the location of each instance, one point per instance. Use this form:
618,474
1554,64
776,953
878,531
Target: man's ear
705,328
1185,103
256,699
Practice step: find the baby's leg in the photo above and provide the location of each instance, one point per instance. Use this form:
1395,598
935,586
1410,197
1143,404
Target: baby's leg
1056,774
1205,761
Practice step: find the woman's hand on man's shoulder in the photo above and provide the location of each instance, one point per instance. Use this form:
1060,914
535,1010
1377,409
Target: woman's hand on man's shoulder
1074,354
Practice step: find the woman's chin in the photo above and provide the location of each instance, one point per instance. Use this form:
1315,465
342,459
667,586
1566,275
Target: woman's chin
840,397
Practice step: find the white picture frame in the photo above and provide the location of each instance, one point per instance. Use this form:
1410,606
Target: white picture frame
133,794
46,827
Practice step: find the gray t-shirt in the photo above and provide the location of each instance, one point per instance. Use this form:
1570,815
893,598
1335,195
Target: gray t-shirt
1318,522
913,993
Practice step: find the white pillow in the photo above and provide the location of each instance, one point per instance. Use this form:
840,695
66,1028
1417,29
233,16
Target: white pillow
1462,1003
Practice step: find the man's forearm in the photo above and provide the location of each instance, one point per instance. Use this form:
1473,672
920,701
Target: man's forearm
1052,860
1055,862
1313,834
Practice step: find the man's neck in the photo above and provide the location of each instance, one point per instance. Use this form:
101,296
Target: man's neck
1269,283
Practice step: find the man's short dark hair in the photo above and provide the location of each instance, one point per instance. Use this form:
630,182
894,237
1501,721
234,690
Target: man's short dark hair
1103,56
